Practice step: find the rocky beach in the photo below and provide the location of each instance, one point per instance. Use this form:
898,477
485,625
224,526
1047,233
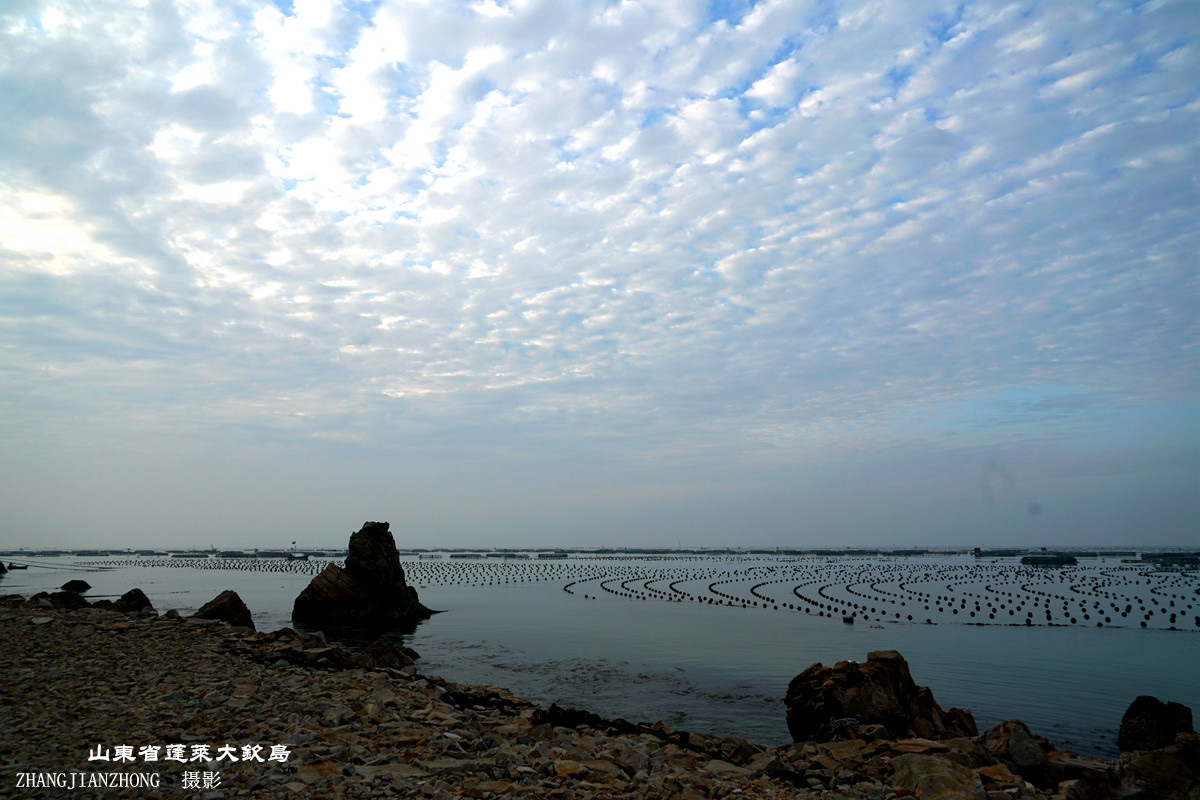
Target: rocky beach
104,702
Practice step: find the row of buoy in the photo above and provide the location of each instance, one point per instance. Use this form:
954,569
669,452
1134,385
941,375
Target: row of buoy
296,566
856,588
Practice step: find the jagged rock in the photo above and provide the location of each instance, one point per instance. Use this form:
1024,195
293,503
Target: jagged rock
823,701
999,775
372,557
370,592
229,607
1012,743
1150,724
1170,773
936,778
3,569
1092,776
133,602
76,585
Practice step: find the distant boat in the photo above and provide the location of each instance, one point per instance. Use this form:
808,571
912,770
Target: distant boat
848,619
297,556
17,566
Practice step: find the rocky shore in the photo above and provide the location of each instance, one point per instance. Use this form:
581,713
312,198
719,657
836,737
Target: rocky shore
164,706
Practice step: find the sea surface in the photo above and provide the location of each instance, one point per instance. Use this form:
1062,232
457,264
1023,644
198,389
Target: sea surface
710,643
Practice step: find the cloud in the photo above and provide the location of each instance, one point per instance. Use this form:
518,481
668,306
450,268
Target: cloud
629,229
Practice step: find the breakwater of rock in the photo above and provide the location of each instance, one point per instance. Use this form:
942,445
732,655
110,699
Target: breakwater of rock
84,682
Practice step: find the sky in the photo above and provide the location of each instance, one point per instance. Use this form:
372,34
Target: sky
787,273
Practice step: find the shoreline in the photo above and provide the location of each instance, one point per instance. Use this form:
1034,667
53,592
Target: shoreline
100,680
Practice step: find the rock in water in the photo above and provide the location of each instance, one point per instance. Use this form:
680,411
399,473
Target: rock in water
229,607
822,701
134,602
76,585
370,592
1150,724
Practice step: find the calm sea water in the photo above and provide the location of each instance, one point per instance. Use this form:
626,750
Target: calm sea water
613,643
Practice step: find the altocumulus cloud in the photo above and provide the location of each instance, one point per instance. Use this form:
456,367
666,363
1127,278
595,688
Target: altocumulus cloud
696,255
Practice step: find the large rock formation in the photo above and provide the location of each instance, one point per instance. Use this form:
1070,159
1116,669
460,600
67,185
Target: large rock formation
1160,750
1170,773
822,701
369,593
1150,724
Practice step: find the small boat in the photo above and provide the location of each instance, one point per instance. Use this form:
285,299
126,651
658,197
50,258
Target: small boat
297,556
17,566
848,619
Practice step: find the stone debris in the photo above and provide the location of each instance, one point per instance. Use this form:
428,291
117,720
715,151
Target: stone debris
367,724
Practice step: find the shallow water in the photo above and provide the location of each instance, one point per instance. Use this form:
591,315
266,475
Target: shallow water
724,668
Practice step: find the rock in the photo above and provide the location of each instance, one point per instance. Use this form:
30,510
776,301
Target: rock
370,592
76,585
1094,777
372,557
1012,743
1072,790
822,701
3,569
936,778
336,715
1171,772
1150,724
227,606
999,775
385,653
133,602
67,600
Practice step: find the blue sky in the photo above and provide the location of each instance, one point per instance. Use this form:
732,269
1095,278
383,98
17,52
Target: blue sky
661,273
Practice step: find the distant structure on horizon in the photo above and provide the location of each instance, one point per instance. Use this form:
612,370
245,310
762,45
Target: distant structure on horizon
1050,560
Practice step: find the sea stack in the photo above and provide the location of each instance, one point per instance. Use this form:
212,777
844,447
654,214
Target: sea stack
370,592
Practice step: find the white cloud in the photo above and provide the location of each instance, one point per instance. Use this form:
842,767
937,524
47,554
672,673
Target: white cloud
778,86
619,226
